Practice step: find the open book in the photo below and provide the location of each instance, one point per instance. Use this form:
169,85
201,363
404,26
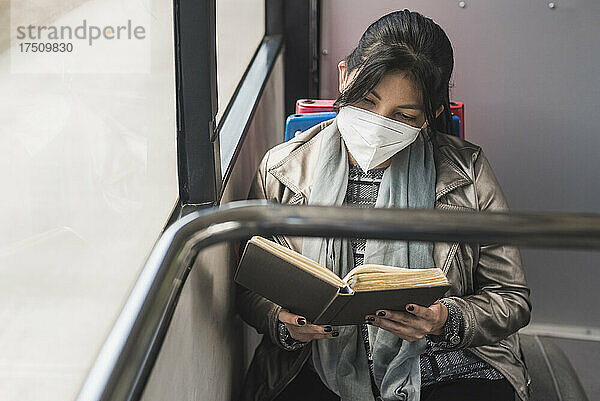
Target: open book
306,288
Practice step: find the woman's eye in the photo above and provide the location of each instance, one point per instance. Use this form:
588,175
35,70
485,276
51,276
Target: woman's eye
369,101
406,117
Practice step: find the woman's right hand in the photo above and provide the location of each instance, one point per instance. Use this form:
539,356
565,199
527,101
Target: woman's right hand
302,330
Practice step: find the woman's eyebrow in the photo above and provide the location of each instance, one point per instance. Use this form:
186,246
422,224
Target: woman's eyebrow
410,106
402,106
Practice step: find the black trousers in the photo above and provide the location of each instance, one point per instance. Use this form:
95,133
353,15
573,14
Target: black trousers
469,390
308,386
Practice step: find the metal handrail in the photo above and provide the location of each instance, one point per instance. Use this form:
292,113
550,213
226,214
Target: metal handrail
126,359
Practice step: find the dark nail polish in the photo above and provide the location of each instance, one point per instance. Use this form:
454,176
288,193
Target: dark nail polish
327,329
371,319
381,313
301,321
335,334
411,308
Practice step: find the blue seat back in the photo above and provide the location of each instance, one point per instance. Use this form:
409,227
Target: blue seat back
301,122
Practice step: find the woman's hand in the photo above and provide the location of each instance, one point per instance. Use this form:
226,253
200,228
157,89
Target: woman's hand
413,324
302,330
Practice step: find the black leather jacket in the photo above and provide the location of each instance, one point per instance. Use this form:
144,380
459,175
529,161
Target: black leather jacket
487,280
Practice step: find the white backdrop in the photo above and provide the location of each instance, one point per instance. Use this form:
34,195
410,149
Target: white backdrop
88,179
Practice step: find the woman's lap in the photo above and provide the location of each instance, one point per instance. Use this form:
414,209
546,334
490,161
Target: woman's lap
469,390
308,386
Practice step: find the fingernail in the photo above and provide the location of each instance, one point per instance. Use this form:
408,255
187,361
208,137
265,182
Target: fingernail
410,308
327,329
335,334
301,321
369,323
371,319
381,313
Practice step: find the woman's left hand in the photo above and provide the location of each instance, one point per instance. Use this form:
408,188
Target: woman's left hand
413,324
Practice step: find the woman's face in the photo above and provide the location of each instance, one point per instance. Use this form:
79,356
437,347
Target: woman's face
394,97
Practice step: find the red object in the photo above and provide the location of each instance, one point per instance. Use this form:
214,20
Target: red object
458,109
314,105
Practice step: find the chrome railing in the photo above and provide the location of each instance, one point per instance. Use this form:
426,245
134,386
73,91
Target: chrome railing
126,359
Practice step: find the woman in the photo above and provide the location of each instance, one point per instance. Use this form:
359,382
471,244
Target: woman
389,147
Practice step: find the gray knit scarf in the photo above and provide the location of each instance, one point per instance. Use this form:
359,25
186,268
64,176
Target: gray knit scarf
341,363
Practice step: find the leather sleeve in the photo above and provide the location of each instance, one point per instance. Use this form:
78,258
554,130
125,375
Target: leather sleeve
453,328
258,312
253,308
500,304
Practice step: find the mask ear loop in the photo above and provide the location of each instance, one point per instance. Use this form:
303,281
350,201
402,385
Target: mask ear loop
426,132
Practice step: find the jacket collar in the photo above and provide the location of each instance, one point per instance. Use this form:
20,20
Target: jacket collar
448,175
298,176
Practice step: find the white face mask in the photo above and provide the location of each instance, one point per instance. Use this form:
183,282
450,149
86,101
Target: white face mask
371,138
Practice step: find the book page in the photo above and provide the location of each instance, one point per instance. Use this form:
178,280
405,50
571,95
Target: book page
380,277
299,260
